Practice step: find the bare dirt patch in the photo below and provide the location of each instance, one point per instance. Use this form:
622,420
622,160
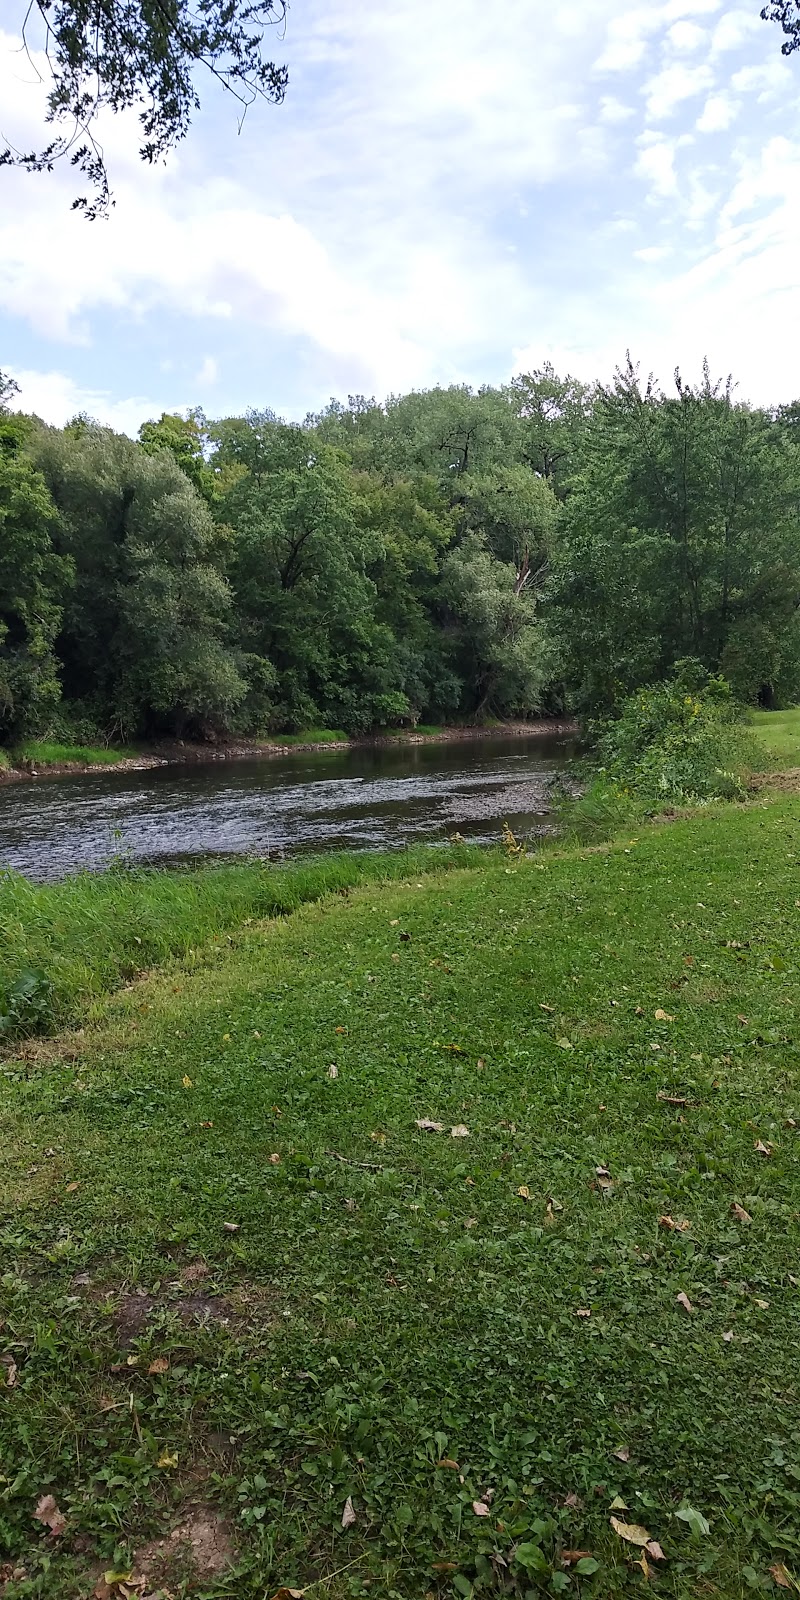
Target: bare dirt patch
197,1550
787,782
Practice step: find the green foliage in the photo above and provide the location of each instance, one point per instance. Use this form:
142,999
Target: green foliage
49,753
680,742
33,580
396,1300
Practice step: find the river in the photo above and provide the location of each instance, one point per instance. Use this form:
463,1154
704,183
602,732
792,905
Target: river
367,797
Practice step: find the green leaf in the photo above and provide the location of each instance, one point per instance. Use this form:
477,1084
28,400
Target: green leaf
586,1566
695,1521
530,1557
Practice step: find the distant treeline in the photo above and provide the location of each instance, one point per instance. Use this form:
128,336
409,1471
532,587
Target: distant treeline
450,554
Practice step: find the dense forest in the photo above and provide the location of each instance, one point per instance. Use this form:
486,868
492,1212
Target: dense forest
448,555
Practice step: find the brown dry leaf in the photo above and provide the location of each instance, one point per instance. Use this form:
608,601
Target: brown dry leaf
10,1366
446,1462
445,1566
470,1222
762,1148
459,1131
743,1020
395,922
348,1515
289,1594
654,1550
167,1460
739,1212
425,1125
565,1044
631,1532
683,1300
47,1512
663,1016
71,1187
763,1305
524,1192
206,1124
779,1575
480,1508
674,1227
480,1063
642,1562
158,1366
543,1007
378,1136
623,1454
231,1227
582,1312
728,1336
187,1082
275,1159
569,1557
333,1070
340,1030
572,1500
671,1099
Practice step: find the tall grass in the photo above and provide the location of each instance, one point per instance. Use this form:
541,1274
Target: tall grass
314,736
47,753
85,936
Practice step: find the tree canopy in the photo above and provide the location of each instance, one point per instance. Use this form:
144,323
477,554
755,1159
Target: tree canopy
447,555
142,55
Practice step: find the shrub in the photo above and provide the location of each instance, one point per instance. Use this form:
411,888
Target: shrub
680,742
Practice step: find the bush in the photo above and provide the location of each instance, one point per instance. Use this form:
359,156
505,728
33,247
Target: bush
680,742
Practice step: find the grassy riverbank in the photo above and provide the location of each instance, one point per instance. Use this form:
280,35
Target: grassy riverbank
238,1283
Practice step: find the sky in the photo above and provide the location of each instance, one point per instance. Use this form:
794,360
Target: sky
452,192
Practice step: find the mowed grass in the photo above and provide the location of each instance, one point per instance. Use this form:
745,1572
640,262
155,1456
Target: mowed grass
780,733
476,1341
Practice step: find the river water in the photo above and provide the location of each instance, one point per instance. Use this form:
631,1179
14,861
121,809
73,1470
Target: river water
368,797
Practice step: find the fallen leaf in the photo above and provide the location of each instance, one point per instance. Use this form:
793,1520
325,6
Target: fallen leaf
779,1575
158,1366
480,1508
167,1460
333,1070
543,1007
378,1136
459,1131
445,1566
340,1030
671,1099
739,1212
71,1187
654,1550
187,1082
395,922
480,1063
348,1515
617,1504
673,1226
470,1222
743,1020
663,1016
425,1125
206,1124
642,1562
565,1044
9,1364
289,1594
728,1336
582,1312
623,1454
763,1149
763,1305
683,1300
569,1557
231,1227
47,1512
524,1192
572,1500
632,1532
446,1462
274,1159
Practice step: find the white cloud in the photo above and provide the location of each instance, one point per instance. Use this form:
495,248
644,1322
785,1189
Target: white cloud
769,77
656,163
734,29
653,252
55,397
676,83
718,113
626,40
686,37
208,374
613,110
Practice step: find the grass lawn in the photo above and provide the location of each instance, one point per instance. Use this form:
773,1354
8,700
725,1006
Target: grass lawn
780,732
239,1280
